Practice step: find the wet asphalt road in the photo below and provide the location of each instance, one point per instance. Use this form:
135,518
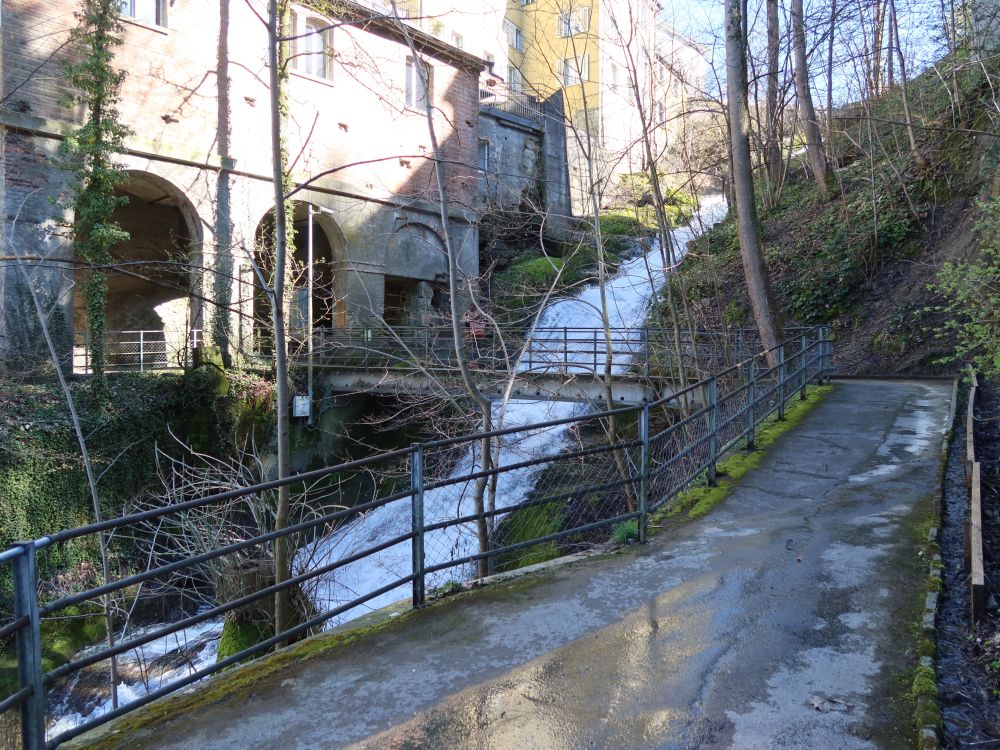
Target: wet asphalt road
797,592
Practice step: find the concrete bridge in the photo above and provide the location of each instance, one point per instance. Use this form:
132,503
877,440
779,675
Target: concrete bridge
782,619
556,364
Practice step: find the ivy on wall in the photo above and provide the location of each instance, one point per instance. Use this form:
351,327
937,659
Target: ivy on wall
90,154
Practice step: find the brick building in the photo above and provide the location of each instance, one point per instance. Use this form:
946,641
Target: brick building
196,98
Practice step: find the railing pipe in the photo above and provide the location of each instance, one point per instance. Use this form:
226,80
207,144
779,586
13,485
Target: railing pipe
713,429
781,382
29,649
751,403
643,531
802,368
417,521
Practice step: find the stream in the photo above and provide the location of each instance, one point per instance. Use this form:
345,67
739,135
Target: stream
629,294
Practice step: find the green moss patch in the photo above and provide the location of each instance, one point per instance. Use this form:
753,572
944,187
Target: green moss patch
240,635
700,497
524,525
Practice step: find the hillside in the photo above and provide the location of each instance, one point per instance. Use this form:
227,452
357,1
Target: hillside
862,260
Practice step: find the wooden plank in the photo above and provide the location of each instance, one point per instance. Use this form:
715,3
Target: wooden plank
977,573
970,428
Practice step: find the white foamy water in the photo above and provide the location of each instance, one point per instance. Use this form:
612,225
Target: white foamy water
629,293
148,668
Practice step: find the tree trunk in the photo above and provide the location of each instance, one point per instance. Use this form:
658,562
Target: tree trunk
807,113
282,556
918,157
829,75
772,152
754,268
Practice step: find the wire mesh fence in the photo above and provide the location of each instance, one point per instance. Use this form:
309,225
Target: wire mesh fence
139,350
198,558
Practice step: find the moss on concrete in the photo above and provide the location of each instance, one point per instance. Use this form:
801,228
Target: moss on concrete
239,636
241,680
526,524
700,498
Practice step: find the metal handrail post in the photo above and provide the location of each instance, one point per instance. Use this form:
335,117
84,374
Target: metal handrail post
751,404
565,347
804,377
142,352
29,648
781,382
713,428
417,521
644,475
827,351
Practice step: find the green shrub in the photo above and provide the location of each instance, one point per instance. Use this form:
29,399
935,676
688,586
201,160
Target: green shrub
625,532
971,294
240,635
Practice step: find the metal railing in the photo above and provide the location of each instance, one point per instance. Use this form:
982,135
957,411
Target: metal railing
634,352
139,350
512,102
417,518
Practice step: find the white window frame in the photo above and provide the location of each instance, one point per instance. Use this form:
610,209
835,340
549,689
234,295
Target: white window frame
414,98
515,80
515,36
574,21
575,70
304,58
127,9
483,155
457,40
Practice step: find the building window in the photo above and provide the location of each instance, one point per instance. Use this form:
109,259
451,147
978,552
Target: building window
313,55
588,122
145,11
484,156
522,3
416,89
490,60
515,81
457,40
575,70
576,21
515,37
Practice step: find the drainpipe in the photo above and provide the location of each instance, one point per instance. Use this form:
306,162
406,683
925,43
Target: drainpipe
309,314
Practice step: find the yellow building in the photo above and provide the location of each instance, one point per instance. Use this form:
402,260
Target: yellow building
616,62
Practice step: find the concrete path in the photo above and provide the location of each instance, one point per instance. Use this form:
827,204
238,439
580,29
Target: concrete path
782,620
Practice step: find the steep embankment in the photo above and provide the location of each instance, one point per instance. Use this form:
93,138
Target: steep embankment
863,259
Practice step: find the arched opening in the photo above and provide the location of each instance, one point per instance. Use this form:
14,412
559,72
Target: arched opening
152,319
415,292
316,237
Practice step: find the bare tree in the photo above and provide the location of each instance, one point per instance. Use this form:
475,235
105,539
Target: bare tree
276,11
754,268
803,92
772,152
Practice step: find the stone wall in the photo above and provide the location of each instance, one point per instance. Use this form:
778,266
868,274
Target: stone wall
527,159
196,99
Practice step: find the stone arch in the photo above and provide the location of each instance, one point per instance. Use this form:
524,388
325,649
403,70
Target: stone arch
416,272
420,249
329,259
154,286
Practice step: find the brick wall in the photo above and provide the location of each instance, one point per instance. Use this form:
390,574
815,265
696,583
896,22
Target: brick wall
175,95
196,98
